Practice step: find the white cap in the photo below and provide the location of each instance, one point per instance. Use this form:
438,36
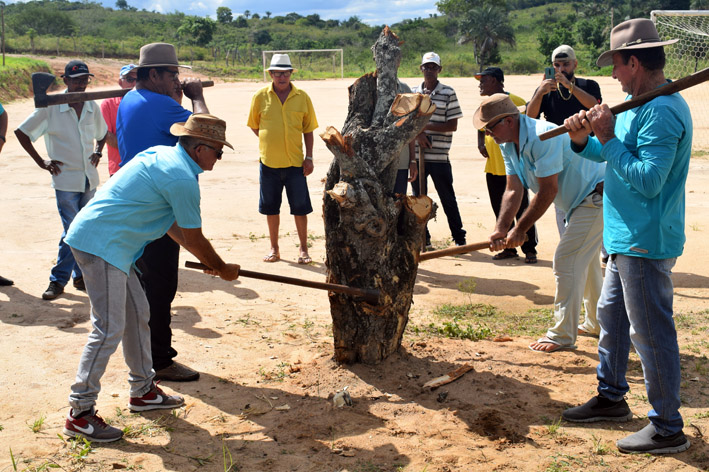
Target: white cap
566,52
431,57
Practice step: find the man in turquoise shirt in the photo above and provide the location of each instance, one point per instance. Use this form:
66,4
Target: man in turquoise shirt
155,193
555,174
647,153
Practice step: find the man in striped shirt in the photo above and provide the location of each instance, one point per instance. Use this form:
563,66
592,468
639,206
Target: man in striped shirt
435,140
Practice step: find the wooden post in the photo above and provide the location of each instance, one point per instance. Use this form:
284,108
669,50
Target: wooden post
373,240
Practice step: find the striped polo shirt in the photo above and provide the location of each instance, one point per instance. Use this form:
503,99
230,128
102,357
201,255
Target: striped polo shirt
447,108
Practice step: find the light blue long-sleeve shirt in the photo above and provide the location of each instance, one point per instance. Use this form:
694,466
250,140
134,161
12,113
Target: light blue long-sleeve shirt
646,172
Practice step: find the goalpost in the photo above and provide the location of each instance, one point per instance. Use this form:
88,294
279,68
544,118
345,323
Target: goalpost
689,55
309,62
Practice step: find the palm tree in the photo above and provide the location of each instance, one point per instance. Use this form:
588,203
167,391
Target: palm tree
486,27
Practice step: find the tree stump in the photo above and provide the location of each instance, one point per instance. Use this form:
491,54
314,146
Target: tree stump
372,237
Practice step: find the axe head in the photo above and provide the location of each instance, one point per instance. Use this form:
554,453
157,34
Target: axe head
41,81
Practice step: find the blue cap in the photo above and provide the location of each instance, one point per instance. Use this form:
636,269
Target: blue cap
126,69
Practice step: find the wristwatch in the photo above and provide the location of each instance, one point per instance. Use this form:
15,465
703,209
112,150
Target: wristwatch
98,153
310,158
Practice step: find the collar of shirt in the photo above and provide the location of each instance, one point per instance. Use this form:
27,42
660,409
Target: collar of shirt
194,167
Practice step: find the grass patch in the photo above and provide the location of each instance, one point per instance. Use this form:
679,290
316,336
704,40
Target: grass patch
15,77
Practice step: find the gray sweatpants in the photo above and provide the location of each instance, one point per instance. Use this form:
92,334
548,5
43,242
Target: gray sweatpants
119,311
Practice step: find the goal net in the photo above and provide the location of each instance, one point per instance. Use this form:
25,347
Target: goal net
311,63
689,55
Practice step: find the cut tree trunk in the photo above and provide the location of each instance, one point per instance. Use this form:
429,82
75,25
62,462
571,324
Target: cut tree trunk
373,237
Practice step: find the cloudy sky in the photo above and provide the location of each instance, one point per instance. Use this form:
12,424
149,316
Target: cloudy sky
369,11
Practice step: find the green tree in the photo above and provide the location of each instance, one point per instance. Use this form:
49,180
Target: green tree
485,28
553,35
241,22
122,4
224,15
197,30
247,14
458,8
32,34
268,14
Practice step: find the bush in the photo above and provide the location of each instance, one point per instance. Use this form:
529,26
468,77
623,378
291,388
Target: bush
524,65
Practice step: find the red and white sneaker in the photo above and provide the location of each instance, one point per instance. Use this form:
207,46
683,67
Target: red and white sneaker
155,399
92,427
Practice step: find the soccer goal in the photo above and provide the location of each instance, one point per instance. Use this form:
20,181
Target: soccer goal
311,63
689,55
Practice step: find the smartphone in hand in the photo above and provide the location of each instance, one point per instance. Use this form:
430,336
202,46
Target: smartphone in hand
549,73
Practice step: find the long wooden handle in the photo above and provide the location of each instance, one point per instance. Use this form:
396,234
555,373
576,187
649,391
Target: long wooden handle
669,89
451,251
75,97
369,295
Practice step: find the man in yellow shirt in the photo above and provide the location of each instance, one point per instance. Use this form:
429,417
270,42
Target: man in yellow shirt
280,114
492,81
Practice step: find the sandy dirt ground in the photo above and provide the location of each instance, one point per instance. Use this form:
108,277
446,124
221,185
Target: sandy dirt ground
265,349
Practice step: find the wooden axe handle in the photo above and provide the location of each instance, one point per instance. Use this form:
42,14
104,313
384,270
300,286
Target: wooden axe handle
452,251
75,97
371,296
669,89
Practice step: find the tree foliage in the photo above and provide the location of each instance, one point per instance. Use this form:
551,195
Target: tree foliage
196,30
486,27
224,15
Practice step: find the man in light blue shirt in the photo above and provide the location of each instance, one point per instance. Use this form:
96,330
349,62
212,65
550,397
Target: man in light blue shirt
157,192
647,153
555,174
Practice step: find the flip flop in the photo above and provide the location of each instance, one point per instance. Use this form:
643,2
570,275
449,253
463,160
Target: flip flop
272,257
530,258
506,254
304,260
585,332
555,345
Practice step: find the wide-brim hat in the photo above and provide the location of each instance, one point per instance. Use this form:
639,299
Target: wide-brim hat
639,33
202,126
281,62
159,55
494,107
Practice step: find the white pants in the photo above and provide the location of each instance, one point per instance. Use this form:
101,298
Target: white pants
578,271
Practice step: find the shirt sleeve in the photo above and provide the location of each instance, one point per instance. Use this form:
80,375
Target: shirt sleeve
109,113
592,88
310,122
100,126
548,156
171,113
184,197
453,110
254,113
36,124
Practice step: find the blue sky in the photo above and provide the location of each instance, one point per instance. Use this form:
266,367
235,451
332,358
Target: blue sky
370,12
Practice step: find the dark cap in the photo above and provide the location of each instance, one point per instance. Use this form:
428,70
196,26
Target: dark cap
76,68
496,72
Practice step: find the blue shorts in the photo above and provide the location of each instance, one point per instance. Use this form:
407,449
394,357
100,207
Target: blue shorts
272,182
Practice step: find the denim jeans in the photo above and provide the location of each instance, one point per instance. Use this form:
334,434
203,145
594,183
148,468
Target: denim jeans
119,312
68,204
636,305
442,176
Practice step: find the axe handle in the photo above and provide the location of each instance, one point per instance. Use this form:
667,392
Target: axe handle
74,97
371,296
451,251
642,99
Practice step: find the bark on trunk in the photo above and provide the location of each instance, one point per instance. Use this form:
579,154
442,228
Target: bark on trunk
372,238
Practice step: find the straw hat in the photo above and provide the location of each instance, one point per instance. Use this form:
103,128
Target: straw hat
202,126
281,62
159,55
639,33
495,107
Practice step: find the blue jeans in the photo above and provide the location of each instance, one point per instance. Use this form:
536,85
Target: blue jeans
68,204
636,305
273,180
119,313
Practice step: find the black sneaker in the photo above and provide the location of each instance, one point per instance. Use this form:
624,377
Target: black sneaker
155,399
79,284
599,408
92,427
647,440
176,372
53,291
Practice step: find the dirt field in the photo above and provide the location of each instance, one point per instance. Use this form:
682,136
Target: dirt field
261,346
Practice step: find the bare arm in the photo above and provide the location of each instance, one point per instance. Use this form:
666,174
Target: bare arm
111,139
581,95
49,165
535,104
450,125
194,241
481,144
255,132
94,158
193,90
308,164
511,200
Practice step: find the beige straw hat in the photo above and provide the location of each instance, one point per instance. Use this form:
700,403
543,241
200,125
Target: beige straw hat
202,126
494,107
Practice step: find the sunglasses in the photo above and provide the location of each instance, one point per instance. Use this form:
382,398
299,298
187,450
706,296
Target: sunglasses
285,73
488,129
218,152
129,79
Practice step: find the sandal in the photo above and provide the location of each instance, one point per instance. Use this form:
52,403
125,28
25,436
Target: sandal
304,259
272,257
530,258
584,332
506,254
552,346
